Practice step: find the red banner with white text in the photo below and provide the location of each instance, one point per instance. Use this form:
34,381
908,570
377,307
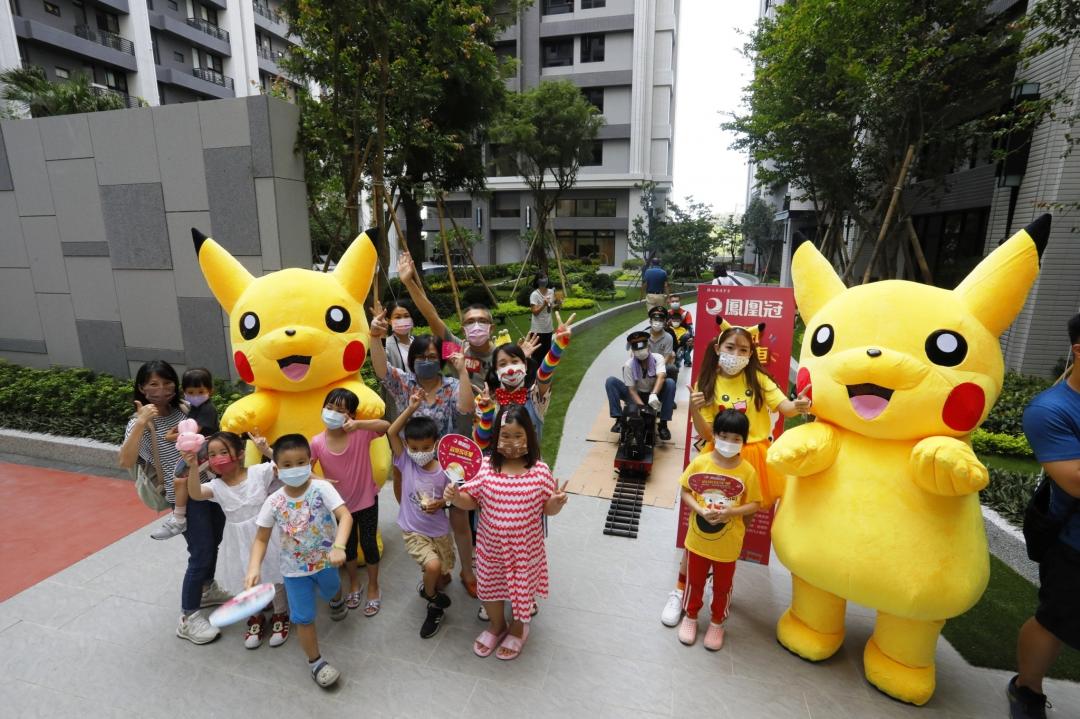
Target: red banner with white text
745,306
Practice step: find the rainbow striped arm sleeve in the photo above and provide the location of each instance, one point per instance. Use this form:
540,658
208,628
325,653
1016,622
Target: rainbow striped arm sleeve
551,361
482,428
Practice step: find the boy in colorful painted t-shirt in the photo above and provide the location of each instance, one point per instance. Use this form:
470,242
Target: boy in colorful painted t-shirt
313,524
720,489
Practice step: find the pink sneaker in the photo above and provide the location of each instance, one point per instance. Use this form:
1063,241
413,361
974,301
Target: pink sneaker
714,637
688,631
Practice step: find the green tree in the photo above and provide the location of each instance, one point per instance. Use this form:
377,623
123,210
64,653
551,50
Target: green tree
405,90
27,87
730,237
759,229
686,238
842,89
643,240
546,131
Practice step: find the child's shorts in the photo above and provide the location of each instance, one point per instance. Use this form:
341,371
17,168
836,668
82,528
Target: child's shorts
301,593
423,549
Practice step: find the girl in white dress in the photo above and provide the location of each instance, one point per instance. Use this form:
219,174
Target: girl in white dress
241,491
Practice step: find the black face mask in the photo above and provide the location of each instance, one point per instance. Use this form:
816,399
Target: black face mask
541,283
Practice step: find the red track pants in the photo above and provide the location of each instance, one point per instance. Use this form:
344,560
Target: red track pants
697,571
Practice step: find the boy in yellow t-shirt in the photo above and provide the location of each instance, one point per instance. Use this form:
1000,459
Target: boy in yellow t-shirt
720,489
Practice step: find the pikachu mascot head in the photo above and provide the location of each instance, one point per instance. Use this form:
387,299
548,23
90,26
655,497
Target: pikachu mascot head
881,502
296,334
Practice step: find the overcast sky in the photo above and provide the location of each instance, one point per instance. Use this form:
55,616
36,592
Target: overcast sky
711,75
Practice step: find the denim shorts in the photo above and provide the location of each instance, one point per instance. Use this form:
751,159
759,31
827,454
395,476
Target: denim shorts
301,593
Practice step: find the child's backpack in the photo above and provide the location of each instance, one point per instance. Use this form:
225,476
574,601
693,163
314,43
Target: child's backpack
149,478
1041,531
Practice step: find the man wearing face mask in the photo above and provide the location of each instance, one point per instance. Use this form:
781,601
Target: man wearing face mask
644,381
662,341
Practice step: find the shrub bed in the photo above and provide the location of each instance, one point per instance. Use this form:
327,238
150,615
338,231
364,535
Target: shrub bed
1008,493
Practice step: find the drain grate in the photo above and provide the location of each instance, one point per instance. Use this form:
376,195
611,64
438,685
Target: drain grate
625,510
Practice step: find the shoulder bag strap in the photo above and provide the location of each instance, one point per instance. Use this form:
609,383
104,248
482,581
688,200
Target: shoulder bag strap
152,429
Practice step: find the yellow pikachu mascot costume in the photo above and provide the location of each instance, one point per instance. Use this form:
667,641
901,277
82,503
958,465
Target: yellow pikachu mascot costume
881,504
296,334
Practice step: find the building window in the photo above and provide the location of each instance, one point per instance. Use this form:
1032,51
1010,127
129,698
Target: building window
592,48
588,243
208,14
558,52
592,4
458,209
557,7
603,207
153,43
173,6
116,81
595,96
594,156
506,205
499,163
62,73
52,9
952,242
178,57
505,50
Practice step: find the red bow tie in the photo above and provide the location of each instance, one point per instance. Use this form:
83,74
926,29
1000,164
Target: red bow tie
515,396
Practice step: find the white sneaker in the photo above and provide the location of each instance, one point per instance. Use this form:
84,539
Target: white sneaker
213,595
172,526
673,610
196,629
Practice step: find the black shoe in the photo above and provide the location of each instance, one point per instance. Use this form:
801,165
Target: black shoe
664,432
440,600
432,622
1025,703
617,427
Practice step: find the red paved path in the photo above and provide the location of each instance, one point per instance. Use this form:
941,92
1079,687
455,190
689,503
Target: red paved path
51,519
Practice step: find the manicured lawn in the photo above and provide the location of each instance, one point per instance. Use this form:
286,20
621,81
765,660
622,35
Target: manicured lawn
986,634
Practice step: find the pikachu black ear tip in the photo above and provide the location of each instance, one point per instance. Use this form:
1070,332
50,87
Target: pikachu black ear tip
199,238
372,233
1039,232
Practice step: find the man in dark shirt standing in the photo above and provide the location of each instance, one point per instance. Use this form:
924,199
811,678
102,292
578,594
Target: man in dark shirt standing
1052,427
654,285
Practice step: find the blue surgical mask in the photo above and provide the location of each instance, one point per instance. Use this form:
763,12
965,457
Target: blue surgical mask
333,419
426,368
294,476
196,400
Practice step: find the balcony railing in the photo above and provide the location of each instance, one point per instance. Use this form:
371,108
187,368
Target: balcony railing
271,55
205,73
209,28
267,12
129,101
106,38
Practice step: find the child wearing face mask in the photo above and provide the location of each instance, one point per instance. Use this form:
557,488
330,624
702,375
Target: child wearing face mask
345,457
512,488
313,525
240,492
197,385
715,533
732,377
423,521
508,384
684,337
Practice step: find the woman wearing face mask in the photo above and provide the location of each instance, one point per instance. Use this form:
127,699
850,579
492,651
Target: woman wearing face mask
157,413
508,384
445,400
542,302
240,492
731,377
400,337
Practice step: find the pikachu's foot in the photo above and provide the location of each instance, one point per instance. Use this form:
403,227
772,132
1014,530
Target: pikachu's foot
799,639
914,685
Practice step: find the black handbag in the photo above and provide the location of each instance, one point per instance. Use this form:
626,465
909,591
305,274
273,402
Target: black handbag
1041,530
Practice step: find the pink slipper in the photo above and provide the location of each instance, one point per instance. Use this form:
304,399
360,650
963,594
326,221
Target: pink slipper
513,645
485,644
688,631
714,637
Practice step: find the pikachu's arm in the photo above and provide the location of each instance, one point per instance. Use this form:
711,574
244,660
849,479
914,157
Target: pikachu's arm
947,466
371,404
258,409
805,450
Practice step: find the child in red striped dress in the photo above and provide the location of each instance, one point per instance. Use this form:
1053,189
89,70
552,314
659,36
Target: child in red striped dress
512,488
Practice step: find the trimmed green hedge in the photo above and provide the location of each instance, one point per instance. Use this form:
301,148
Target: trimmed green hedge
84,403
1007,445
1017,391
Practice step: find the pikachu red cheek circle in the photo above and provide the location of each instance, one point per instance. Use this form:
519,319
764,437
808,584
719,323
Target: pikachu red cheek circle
964,407
353,358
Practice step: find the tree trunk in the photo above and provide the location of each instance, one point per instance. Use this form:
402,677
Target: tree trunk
414,238
897,189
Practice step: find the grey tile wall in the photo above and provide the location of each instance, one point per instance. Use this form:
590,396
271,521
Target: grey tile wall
96,212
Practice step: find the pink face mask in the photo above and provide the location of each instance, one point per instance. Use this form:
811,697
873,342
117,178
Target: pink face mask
477,333
402,325
222,464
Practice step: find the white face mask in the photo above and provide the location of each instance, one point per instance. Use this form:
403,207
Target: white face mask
642,354
657,325
727,449
675,324
333,419
421,458
512,375
732,364
294,476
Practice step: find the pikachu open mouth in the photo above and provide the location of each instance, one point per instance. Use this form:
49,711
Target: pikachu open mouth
869,400
295,367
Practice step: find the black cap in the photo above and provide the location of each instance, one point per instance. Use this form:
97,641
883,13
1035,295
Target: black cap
657,312
637,337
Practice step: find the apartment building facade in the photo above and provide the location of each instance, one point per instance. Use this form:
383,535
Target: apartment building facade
622,55
162,51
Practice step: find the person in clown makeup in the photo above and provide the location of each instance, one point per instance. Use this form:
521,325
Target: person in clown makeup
732,377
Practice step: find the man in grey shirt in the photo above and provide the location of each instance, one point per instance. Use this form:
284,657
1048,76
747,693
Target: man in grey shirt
661,341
